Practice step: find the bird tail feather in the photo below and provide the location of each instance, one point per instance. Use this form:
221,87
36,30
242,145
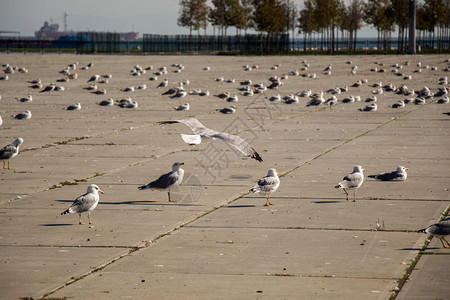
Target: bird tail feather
422,230
372,176
66,212
143,187
338,186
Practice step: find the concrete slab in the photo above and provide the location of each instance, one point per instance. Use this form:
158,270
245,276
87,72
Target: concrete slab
216,241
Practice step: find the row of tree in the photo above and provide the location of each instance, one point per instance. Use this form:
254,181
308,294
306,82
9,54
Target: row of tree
329,21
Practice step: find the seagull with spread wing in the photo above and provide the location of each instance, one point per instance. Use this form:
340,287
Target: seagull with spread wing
201,133
352,181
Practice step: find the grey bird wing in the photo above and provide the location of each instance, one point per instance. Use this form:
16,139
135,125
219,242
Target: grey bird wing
83,203
266,183
387,176
238,143
163,182
7,151
353,180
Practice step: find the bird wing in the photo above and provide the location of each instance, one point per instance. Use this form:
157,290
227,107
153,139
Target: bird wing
7,151
352,180
164,181
388,176
238,143
83,203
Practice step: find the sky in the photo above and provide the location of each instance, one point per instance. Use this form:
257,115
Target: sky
143,16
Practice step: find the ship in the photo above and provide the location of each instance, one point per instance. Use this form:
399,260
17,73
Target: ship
50,31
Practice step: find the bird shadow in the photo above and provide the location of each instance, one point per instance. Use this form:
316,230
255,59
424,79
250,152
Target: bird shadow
240,206
55,225
326,202
418,249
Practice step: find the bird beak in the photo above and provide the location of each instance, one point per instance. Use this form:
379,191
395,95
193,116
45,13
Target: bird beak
406,169
182,163
100,191
278,174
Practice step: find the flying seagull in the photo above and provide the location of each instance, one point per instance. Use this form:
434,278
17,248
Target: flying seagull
86,202
352,181
267,185
201,132
399,174
167,181
440,229
10,151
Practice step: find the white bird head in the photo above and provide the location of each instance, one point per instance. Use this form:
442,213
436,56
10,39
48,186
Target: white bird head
93,188
18,142
177,166
272,173
401,169
358,169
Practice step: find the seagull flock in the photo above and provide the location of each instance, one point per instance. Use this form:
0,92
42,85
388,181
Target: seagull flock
247,88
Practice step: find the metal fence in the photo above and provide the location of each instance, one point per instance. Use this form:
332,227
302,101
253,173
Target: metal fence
247,44
110,43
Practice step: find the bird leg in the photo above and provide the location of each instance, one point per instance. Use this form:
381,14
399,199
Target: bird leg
346,193
89,217
79,220
168,194
442,239
268,201
4,165
354,195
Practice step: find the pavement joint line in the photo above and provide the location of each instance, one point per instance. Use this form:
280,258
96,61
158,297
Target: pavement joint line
69,246
411,267
304,228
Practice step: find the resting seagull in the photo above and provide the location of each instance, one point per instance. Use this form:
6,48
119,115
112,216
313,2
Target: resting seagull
267,185
397,175
440,230
201,132
86,202
10,151
167,181
352,181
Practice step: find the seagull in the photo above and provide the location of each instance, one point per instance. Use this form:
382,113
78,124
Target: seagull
232,98
201,133
223,95
352,181
167,181
107,102
86,202
163,83
370,107
440,229
35,81
48,88
76,106
94,78
179,94
28,98
398,104
10,151
23,115
99,92
227,110
315,102
267,185
182,107
397,175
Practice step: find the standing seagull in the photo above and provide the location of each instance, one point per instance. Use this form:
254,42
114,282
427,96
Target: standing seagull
352,181
201,133
167,181
440,229
86,202
397,175
267,185
10,151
